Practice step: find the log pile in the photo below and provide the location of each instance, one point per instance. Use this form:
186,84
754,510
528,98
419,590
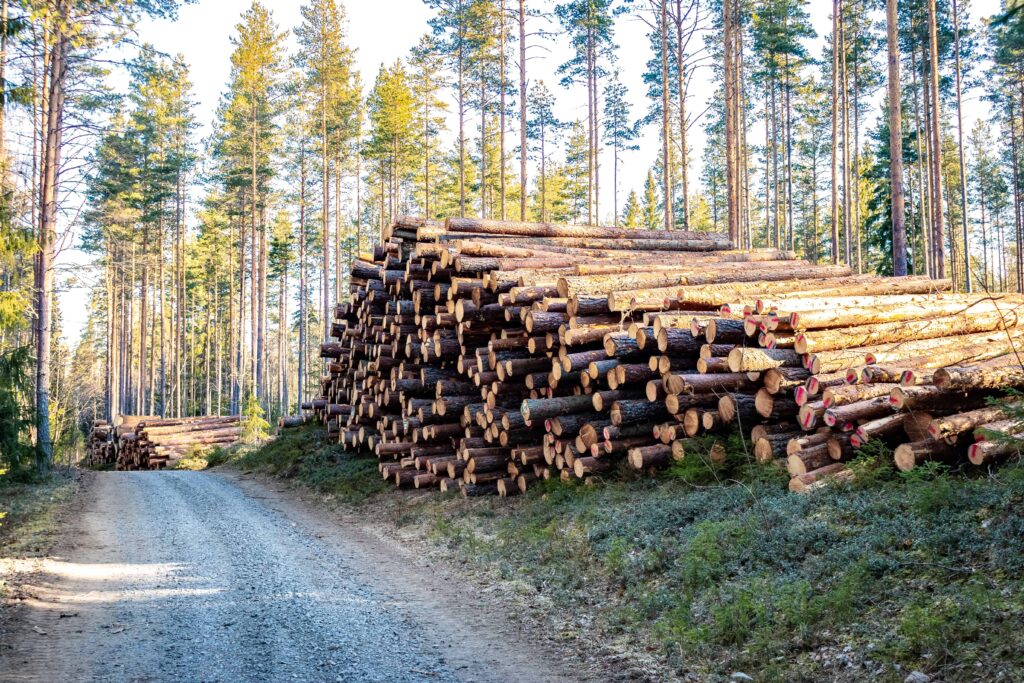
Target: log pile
150,443
102,450
483,355
914,373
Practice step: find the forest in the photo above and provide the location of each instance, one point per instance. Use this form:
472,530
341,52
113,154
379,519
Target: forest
216,261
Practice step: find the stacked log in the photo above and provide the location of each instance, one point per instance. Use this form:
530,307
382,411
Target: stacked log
102,450
150,443
484,355
291,421
910,371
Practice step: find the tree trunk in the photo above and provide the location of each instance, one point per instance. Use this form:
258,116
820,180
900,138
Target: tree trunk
666,134
922,191
835,131
899,233
303,293
3,74
844,103
163,319
789,153
681,85
501,102
50,172
522,111
936,158
325,216
729,19
960,148
462,111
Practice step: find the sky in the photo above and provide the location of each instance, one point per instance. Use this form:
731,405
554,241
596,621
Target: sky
383,31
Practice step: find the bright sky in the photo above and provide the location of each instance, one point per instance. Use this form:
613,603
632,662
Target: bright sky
384,30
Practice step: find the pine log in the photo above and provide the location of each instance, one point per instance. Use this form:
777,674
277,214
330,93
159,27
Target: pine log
843,395
689,383
737,407
884,428
836,472
746,359
657,455
952,425
906,330
983,452
808,459
999,373
909,455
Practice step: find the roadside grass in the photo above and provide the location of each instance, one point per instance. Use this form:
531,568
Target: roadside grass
717,568
303,454
27,509
28,514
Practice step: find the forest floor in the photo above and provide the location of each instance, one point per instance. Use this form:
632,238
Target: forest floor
220,576
706,572
30,519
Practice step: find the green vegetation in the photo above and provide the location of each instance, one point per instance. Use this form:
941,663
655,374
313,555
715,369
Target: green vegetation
304,454
718,568
28,506
255,428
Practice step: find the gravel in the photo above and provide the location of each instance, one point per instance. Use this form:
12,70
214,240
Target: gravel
183,576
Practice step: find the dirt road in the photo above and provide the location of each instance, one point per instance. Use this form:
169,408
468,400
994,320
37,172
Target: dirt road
195,576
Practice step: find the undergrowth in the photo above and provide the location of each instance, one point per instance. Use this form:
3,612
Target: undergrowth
29,505
717,568
304,454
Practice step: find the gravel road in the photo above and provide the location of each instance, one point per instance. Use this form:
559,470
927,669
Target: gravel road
195,576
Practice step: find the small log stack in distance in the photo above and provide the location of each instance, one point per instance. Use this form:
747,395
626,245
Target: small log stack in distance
150,443
102,450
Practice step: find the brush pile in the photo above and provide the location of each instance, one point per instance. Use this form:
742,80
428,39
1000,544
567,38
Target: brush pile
150,443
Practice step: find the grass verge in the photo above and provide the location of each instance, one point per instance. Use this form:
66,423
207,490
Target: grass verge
28,514
304,455
712,569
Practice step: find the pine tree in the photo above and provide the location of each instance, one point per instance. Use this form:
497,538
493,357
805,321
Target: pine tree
451,26
576,169
620,133
280,259
328,66
391,107
651,214
429,118
73,32
543,129
245,146
631,211
589,25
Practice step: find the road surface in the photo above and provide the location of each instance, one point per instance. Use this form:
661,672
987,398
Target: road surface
197,576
